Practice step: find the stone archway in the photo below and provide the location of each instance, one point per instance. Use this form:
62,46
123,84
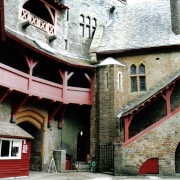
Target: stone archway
33,122
177,159
175,150
145,161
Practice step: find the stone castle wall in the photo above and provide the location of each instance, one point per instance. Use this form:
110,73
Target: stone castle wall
108,103
67,28
160,142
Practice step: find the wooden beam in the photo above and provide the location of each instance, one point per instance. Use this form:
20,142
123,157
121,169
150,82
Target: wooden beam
52,112
4,94
127,122
2,29
16,106
62,115
167,97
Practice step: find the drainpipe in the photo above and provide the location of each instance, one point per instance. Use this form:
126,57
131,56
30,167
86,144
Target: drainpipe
2,30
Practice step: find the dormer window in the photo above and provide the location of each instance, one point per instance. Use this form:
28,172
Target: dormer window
39,15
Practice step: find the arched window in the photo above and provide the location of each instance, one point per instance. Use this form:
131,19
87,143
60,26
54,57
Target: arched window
133,69
142,80
38,9
39,15
138,78
141,69
87,26
88,20
81,19
94,23
133,78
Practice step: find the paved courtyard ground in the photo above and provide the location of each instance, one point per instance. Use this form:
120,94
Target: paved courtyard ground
89,176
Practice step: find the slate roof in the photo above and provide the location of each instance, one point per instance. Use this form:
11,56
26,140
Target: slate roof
110,60
66,59
13,130
139,25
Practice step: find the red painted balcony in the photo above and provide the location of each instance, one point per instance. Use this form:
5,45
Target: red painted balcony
33,86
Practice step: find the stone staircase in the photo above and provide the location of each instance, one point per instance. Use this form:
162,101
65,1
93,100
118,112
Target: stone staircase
82,166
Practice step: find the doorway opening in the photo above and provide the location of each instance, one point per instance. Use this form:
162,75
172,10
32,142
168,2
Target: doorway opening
150,166
36,157
82,146
177,159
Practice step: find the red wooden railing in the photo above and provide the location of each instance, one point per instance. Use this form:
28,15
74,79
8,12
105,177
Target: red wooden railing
151,127
22,82
38,22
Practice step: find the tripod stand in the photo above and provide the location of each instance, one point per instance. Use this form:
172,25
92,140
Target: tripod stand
52,166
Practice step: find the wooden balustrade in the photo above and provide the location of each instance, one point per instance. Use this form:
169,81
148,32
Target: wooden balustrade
38,22
19,81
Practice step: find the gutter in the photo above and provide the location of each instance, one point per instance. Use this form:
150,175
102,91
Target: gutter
140,49
2,29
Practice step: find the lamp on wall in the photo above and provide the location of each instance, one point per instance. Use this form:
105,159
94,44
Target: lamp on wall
25,24
81,133
52,38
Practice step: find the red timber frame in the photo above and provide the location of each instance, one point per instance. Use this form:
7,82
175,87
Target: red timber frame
2,29
165,93
28,86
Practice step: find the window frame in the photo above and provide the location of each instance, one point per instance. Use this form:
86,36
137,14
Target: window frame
138,75
10,156
106,81
86,28
120,82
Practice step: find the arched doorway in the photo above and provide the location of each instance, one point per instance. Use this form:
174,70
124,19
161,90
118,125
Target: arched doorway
82,146
177,159
33,122
36,158
150,167
34,6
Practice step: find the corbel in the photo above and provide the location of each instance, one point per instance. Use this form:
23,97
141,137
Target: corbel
62,115
25,24
52,38
167,96
16,106
52,112
4,94
127,122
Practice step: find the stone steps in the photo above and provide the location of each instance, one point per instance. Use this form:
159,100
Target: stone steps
82,166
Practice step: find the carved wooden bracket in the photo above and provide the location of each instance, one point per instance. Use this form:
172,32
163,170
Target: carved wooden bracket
16,105
127,122
52,112
4,94
62,115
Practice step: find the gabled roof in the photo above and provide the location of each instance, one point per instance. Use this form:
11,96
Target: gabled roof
138,26
13,131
